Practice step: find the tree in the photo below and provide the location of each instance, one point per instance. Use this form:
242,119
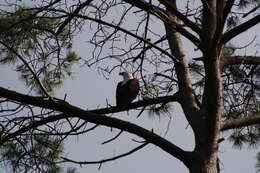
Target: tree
218,91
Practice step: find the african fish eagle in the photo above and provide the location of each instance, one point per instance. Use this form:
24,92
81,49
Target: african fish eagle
126,90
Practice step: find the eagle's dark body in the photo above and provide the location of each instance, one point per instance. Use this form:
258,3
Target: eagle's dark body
126,92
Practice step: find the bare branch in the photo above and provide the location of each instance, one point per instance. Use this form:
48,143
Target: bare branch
77,10
149,8
129,33
240,28
253,119
41,102
109,140
161,14
182,17
223,10
227,9
251,11
165,76
142,103
148,47
70,111
105,160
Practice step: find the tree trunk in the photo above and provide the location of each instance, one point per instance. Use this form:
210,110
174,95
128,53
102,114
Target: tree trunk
203,162
204,167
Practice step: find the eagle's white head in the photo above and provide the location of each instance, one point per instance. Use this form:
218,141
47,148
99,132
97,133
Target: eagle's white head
126,76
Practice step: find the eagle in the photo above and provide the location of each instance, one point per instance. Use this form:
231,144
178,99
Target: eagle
127,90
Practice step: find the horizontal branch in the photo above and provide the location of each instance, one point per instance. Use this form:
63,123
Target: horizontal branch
134,105
237,60
46,103
70,111
240,29
253,119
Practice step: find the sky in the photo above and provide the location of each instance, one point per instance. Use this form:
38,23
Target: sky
89,90
151,159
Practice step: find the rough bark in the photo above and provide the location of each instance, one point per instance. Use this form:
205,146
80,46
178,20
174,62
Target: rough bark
240,122
205,122
187,100
237,60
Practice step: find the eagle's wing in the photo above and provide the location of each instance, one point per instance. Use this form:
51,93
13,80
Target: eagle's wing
134,88
119,94
126,93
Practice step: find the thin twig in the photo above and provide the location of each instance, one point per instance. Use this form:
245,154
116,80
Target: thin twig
109,140
140,113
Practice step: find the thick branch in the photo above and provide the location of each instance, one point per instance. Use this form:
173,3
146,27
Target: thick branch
161,13
237,60
149,8
182,17
142,103
43,102
187,99
240,122
70,111
227,9
240,28
222,12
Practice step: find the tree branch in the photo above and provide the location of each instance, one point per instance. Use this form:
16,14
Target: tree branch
142,103
251,11
70,111
227,9
106,160
161,13
222,12
43,89
240,28
127,32
186,92
43,102
182,17
236,60
149,8
253,119
76,11
109,140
